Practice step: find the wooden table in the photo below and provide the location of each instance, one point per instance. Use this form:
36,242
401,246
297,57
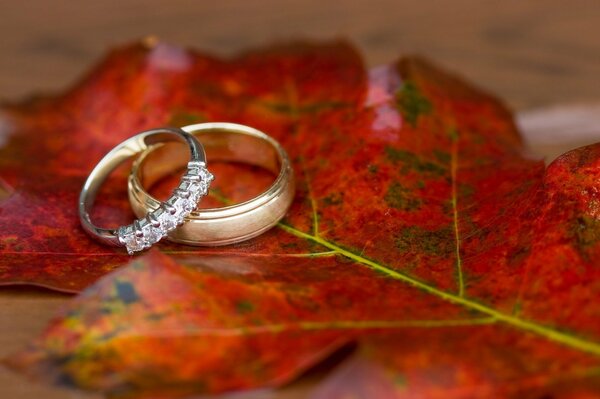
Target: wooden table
532,54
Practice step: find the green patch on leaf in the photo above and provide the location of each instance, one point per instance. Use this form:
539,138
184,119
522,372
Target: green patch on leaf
465,190
219,195
411,161
453,133
185,117
289,246
517,308
399,197
431,242
309,108
244,307
587,232
400,380
442,156
412,103
372,168
333,199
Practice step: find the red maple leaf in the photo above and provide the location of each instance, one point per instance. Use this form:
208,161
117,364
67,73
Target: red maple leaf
461,267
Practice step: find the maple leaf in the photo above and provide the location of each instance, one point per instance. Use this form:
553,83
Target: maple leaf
420,231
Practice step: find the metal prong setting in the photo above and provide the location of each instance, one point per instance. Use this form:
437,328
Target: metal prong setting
145,232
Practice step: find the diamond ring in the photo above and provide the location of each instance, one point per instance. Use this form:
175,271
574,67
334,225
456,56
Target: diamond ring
154,225
229,142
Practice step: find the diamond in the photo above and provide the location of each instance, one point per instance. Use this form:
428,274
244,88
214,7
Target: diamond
184,206
167,221
128,237
152,234
195,183
200,171
198,190
206,175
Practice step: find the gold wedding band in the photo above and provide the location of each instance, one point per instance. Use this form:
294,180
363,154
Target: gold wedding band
228,142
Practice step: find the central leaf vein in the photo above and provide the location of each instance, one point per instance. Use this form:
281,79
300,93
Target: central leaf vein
549,333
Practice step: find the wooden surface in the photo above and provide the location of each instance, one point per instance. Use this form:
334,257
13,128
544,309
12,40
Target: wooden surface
529,52
532,54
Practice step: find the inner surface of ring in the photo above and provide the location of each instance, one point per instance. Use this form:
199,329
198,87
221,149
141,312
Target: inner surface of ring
220,145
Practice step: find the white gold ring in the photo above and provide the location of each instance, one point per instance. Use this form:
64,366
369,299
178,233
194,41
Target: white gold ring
155,225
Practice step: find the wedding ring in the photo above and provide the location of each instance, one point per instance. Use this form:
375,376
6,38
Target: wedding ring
228,142
166,216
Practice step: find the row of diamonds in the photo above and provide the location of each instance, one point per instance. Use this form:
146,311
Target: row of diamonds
145,232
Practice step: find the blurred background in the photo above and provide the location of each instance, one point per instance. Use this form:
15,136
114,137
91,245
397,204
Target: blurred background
531,53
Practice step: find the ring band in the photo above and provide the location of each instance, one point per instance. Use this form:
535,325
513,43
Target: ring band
229,224
152,226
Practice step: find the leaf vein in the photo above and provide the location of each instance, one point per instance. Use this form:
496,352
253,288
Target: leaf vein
547,332
453,176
